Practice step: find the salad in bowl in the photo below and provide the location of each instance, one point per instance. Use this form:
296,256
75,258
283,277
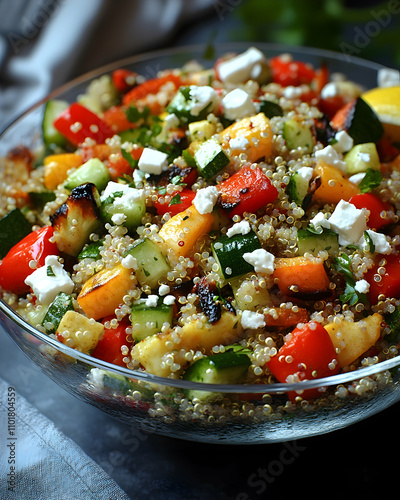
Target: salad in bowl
235,225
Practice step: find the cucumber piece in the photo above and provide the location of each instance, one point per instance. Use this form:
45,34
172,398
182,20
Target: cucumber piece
51,111
13,228
56,310
118,383
152,265
298,135
93,171
223,368
270,109
309,241
134,210
148,320
297,187
210,158
362,157
228,254
100,95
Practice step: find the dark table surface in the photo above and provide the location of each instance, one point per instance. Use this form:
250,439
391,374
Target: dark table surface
353,462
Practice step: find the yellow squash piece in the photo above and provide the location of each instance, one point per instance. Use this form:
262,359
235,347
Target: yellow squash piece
79,332
257,130
385,101
151,350
352,339
335,186
104,291
56,168
182,230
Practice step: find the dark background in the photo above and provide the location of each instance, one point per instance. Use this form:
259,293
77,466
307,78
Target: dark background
359,461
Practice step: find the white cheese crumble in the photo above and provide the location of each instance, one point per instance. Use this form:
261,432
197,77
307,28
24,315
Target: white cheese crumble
347,221
46,286
388,77
170,121
205,199
152,301
344,142
330,90
243,67
362,286
169,300
118,219
202,96
238,104
129,262
366,157
152,161
250,319
242,227
379,241
129,195
305,173
330,156
261,260
163,290
357,178
239,142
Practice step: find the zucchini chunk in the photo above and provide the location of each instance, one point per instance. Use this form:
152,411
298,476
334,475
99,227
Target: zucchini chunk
223,368
13,228
76,219
147,320
56,311
298,135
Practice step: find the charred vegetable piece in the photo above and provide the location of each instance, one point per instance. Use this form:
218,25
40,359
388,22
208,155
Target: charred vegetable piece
76,219
209,299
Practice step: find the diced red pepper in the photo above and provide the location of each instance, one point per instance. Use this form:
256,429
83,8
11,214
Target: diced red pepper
331,105
14,268
308,353
109,346
119,166
123,79
287,72
184,201
151,86
115,117
247,190
77,123
375,206
388,283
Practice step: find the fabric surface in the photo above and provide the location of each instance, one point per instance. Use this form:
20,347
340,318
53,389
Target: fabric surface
54,40
39,463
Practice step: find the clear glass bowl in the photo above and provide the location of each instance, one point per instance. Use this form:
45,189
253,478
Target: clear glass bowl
241,414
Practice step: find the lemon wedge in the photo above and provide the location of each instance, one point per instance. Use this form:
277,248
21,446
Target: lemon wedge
385,102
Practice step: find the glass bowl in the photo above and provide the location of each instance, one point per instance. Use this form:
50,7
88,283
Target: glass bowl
240,414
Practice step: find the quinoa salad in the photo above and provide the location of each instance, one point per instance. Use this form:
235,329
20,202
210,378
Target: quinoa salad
231,225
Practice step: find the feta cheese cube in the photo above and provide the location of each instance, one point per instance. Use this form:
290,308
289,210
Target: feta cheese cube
129,195
388,77
241,68
305,173
152,301
320,221
362,286
250,319
242,227
202,97
152,161
49,280
163,290
330,90
129,262
118,219
169,300
239,142
205,199
344,142
238,104
379,241
348,222
261,260
330,156
357,178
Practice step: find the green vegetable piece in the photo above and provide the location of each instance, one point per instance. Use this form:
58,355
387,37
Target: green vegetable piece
270,109
210,158
91,251
298,135
93,171
393,322
13,228
52,136
56,311
39,199
147,320
362,157
312,242
371,180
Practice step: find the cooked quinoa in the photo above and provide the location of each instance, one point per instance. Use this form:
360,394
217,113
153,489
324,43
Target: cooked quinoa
201,141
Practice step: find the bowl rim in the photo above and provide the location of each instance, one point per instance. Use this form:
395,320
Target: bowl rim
275,388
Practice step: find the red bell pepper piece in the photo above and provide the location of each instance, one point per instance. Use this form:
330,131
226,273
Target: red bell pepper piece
307,354
389,282
14,268
77,122
115,117
151,86
123,79
184,201
287,72
247,190
375,206
119,166
109,346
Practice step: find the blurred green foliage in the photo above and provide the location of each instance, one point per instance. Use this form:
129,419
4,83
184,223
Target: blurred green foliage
370,32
